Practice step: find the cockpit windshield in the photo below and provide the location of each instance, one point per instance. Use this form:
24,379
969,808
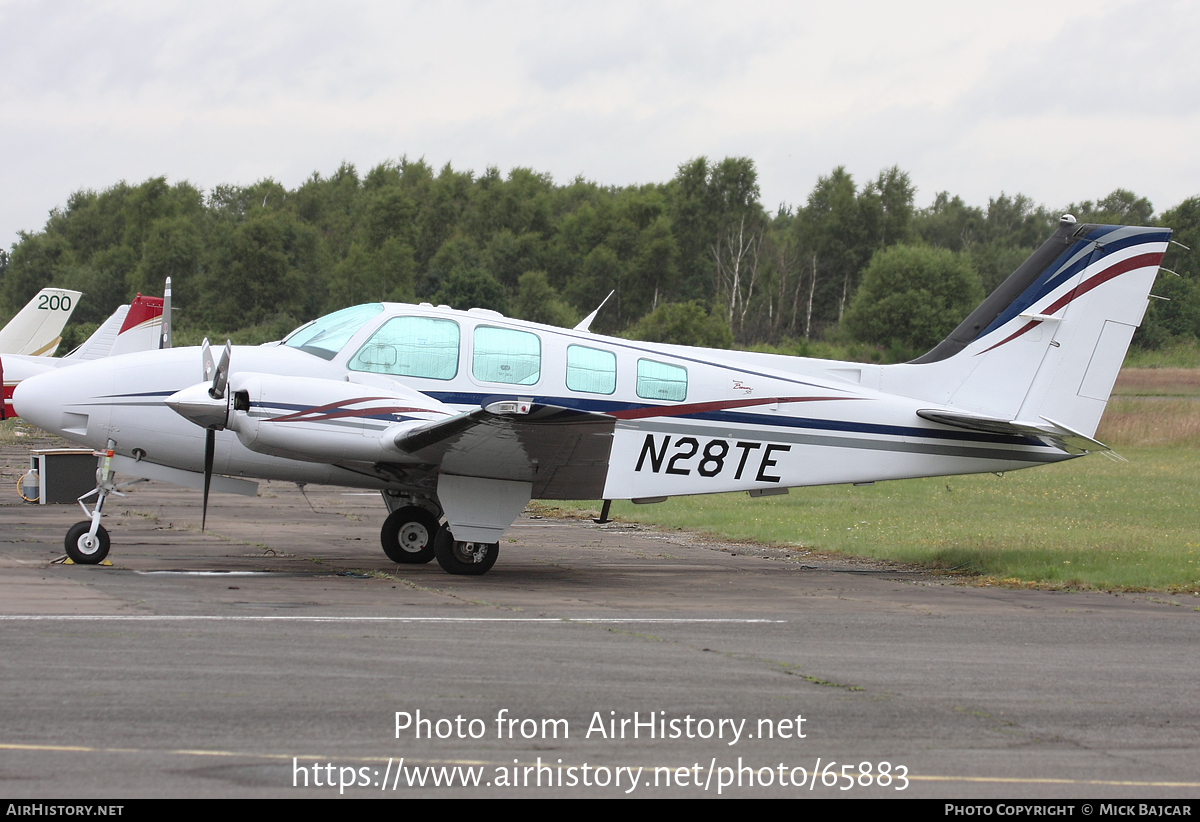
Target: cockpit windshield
325,336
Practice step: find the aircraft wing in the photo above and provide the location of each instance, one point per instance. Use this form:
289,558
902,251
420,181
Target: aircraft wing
1055,433
562,451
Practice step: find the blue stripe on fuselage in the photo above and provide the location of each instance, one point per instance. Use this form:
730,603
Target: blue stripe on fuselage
769,421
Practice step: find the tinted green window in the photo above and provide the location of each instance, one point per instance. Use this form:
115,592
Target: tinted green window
411,347
591,370
659,381
326,335
508,356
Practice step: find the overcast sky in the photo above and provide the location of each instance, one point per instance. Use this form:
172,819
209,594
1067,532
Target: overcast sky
1060,101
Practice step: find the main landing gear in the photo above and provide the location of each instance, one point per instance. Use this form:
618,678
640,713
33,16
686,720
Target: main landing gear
464,558
408,534
412,535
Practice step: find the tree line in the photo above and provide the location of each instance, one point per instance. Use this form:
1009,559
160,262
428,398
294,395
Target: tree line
697,260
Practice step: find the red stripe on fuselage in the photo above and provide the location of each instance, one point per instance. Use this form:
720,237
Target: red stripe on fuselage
346,412
316,414
702,407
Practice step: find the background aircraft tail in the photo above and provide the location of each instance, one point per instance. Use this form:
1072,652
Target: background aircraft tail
1046,346
133,327
37,329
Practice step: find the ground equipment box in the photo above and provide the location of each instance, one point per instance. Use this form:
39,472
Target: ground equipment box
63,475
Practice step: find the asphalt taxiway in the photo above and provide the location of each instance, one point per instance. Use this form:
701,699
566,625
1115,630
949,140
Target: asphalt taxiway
218,664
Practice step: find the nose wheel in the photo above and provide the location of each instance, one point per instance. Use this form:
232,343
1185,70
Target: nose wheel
83,547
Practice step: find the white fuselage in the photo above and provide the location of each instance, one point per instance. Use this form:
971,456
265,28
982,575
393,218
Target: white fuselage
688,421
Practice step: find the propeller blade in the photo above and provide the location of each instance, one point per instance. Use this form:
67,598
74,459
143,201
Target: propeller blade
204,414
217,392
210,442
207,357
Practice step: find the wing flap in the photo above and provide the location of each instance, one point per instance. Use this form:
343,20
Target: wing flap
562,451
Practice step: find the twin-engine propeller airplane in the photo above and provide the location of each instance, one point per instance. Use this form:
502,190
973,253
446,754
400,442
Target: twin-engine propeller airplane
459,418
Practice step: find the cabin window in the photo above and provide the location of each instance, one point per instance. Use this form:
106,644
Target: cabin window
506,355
591,370
324,337
411,347
659,381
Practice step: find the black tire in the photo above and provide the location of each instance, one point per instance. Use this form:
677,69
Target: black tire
464,558
408,535
78,548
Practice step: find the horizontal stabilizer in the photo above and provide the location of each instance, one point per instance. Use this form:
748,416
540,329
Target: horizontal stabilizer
562,451
1052,433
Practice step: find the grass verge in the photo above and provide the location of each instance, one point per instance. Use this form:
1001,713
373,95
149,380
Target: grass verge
1179,353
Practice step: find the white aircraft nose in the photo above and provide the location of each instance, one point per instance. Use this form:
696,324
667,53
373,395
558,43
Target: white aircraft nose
67,401
35,401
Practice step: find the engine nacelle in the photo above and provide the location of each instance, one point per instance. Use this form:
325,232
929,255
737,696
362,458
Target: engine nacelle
320,420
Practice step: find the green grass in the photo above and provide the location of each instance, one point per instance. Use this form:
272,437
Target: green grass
14,431
1087,523
1179,353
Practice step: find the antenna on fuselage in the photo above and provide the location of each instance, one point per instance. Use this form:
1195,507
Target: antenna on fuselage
585,324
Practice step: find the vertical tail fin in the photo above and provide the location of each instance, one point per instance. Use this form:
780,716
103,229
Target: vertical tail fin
1048,343
142,326
37,328
133,327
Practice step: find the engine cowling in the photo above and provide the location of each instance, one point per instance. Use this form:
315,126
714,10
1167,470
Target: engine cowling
322,420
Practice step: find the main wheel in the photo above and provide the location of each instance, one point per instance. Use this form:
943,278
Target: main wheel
464,558
85,550
408,535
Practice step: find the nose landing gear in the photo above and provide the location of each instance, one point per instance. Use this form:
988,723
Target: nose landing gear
87,541
84,546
